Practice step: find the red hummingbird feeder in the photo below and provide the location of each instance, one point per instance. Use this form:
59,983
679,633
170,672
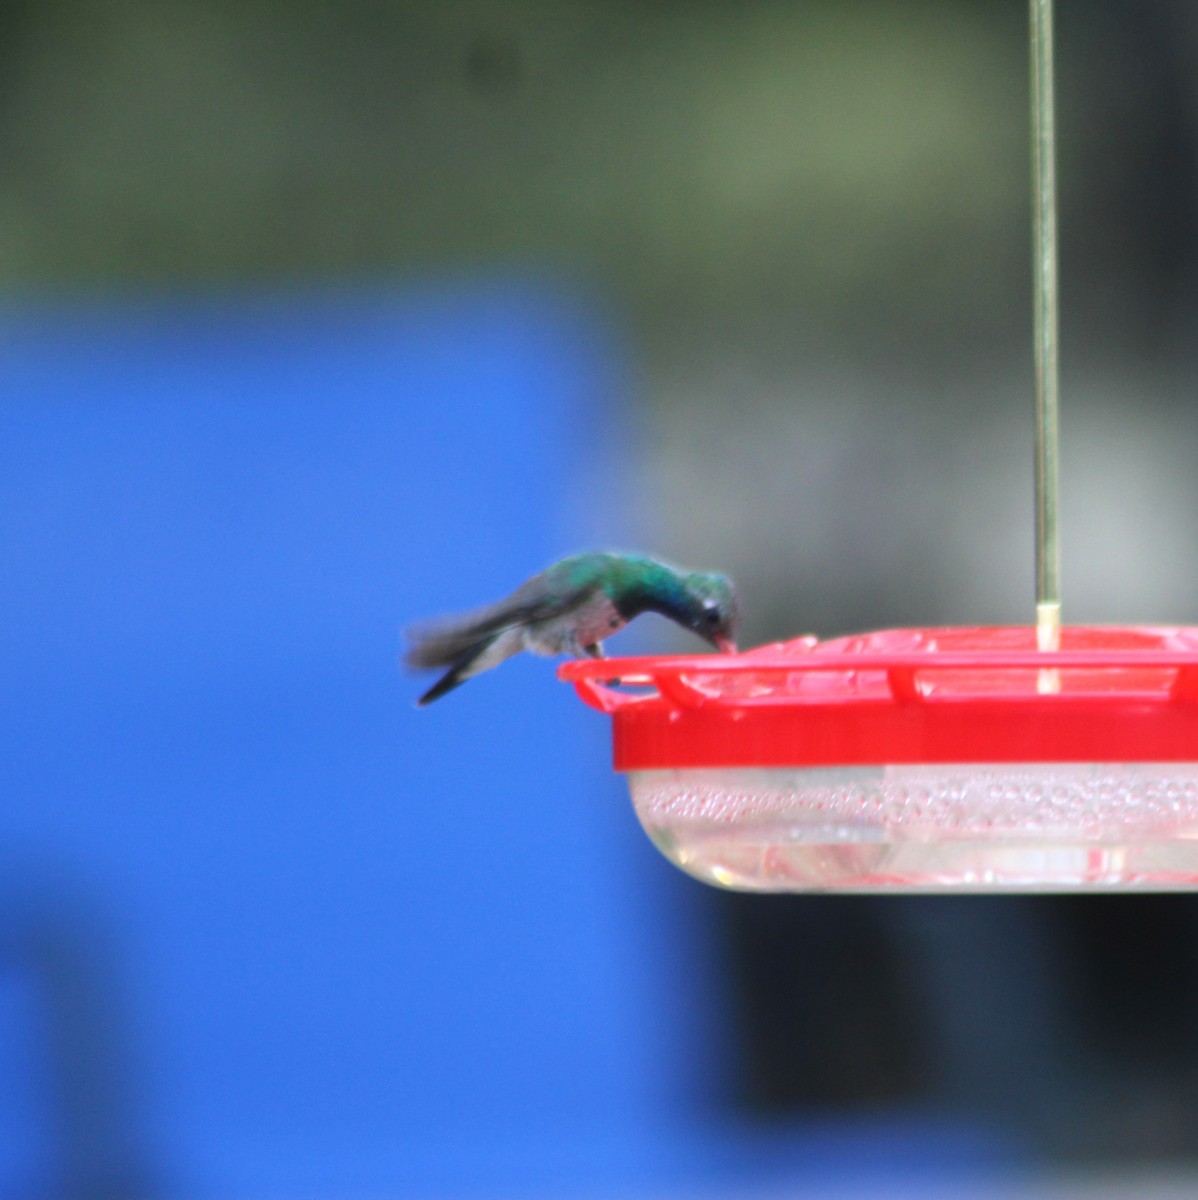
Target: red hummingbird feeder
949,759
1032,758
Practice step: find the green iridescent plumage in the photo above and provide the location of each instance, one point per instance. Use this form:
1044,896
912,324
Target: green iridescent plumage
569,608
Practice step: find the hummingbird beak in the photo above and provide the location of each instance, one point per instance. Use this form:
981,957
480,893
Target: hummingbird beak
725,645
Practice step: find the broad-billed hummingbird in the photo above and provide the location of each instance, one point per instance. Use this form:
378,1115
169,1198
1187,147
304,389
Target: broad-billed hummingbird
568,609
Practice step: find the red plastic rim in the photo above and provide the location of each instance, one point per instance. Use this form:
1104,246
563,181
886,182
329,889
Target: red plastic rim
950,695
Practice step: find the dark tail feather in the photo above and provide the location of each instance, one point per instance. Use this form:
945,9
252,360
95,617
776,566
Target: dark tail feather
446,683
457,674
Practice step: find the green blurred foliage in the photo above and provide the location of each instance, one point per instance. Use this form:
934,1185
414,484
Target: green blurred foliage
680,154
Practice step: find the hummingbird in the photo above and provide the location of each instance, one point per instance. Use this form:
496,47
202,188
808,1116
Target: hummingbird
569,608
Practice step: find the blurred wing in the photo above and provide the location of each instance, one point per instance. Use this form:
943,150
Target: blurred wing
444,642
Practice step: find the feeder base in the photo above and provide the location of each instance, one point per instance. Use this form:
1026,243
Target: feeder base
1010,827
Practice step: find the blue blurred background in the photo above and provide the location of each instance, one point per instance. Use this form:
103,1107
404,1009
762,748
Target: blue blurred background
319,320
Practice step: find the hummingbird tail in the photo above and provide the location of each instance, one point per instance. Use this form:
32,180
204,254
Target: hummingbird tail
480,655
451,679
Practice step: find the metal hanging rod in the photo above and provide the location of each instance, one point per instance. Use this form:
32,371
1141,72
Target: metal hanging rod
1044,318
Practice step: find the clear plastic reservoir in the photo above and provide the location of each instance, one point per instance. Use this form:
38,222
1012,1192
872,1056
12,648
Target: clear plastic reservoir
928,827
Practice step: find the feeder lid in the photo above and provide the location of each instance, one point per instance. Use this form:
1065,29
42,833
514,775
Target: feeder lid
938,695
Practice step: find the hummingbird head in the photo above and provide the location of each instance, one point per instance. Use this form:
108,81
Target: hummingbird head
712,609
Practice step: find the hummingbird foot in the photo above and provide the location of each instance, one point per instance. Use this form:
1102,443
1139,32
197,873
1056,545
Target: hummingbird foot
595,650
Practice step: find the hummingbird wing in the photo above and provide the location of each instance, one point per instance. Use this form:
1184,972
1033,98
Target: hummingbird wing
476,642
446,642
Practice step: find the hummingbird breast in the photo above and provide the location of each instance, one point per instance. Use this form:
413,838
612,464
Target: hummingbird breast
593,620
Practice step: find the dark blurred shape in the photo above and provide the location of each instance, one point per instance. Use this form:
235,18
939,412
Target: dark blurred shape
1065,1021
494,65
829,1021
53,947
1132,973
